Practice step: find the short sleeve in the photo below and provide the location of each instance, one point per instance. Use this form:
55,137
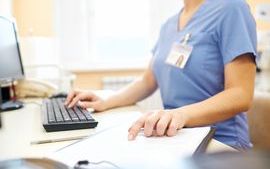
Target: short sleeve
156,46
237,32
159,38
154,49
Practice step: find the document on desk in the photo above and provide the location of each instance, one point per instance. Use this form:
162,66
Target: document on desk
144,152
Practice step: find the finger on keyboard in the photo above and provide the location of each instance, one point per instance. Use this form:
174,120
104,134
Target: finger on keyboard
69,98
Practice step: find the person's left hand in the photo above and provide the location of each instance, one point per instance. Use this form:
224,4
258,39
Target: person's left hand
165,122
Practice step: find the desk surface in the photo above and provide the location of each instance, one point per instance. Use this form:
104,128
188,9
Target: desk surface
21,127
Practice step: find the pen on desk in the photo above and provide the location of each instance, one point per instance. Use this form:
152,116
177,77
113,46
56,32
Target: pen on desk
57,140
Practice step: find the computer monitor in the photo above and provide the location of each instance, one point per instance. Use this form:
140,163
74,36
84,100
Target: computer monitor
11,67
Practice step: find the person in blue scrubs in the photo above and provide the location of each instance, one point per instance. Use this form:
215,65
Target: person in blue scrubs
215,85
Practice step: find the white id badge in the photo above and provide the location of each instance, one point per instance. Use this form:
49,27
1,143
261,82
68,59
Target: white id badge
179,55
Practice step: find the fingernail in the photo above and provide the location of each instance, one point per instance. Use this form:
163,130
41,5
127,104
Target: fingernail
130,137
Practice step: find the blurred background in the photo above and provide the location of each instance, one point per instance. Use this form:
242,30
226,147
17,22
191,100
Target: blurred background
105,43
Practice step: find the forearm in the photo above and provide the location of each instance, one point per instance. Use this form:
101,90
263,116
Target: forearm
136,91
217,108
237,96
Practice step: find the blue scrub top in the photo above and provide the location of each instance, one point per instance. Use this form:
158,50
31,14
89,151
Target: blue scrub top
221,30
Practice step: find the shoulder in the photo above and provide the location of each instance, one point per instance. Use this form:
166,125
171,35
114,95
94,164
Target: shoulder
231,5
170,22
172,18
232,10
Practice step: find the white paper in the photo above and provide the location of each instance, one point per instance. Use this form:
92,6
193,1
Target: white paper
144,152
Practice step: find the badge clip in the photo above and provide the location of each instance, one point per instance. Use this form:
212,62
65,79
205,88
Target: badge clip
186,39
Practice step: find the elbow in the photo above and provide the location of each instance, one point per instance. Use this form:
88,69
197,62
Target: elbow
246,101
149,81
246,106
249,103
241,106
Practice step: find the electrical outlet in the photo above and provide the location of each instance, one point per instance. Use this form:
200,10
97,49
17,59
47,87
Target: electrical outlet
263,12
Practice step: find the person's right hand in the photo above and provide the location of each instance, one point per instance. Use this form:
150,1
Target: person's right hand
85,100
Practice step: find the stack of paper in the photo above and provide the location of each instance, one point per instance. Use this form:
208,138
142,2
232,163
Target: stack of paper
113,146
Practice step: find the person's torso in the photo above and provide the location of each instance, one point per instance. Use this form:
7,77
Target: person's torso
203,75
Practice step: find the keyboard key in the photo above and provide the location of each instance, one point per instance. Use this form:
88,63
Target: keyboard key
50,113
57,111
72,114
63,110
87,115
80,114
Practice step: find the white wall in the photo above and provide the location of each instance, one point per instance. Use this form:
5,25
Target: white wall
79,16
6,7
72,26
160,11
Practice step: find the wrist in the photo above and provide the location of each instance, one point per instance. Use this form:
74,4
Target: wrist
106,105
183,116
109,102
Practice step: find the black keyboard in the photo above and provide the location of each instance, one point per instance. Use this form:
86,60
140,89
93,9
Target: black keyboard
57,117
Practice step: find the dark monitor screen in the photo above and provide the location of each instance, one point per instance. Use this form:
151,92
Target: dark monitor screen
10,59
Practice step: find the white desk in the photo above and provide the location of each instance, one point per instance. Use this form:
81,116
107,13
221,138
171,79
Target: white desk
21,127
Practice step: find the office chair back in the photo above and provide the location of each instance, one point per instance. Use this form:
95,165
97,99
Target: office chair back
259,121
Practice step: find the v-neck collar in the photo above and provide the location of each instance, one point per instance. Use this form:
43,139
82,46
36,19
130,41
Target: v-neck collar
178,30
